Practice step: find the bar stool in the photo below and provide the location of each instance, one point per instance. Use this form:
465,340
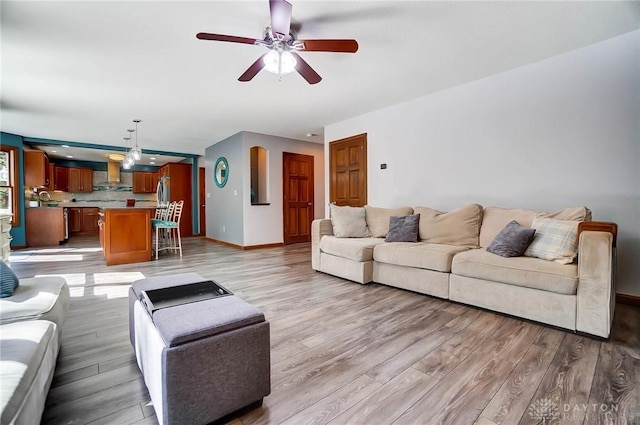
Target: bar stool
163,213
168,231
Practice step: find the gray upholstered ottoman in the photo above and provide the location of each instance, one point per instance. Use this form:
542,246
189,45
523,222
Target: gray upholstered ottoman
203,360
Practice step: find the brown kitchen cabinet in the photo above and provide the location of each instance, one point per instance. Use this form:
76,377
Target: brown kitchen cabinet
83,219
61,178
36,168
144,182
75,220
180,189
80,179
90,219
44,226
50,184
58,178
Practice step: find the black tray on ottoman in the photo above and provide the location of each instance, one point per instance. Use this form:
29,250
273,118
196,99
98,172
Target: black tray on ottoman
155,299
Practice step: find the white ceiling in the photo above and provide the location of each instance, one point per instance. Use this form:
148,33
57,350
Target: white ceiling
81,71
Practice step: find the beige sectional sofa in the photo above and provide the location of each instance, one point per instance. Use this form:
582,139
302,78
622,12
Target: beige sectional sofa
31,322
450,261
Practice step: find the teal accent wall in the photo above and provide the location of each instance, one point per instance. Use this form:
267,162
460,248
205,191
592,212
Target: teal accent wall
17,233
195,211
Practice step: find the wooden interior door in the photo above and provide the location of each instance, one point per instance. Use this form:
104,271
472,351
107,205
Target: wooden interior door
298,197
202,202
348,171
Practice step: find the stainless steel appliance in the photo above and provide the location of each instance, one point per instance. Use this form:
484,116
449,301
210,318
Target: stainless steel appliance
162,191
65,214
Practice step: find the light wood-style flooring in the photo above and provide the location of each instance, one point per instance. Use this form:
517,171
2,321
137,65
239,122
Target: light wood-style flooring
342,353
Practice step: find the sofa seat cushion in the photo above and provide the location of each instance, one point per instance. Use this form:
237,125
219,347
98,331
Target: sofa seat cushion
521,271
38,298
28,352
422,255
356,249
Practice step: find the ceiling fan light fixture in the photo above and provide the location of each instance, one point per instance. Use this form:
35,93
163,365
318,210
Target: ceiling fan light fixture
279,62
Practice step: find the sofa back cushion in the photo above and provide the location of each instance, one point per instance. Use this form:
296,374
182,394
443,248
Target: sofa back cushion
458,227
494,219
349,222
378,218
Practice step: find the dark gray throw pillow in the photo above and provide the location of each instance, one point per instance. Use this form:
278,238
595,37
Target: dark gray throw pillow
512,241
403,228
8,280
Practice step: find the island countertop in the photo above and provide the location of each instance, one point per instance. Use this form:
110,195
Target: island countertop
127,208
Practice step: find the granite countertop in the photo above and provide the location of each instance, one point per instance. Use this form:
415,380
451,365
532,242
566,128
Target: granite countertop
106,204
142,207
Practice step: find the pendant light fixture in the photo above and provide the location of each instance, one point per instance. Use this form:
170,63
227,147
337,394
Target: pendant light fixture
136,152
128,159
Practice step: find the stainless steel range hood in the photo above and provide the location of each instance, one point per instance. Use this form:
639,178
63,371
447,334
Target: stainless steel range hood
113,172
113,176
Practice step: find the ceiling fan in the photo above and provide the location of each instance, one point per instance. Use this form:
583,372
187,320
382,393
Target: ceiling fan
283,46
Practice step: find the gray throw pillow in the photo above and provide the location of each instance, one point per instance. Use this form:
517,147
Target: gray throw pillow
8,280
512,241
403,228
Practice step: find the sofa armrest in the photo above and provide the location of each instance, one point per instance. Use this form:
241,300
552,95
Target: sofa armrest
319,228
596,295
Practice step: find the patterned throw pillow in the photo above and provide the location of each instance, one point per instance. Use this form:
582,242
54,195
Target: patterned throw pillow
512,240
349,222
403,228
555,240
8,280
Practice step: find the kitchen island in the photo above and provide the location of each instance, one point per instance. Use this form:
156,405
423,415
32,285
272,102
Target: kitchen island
125,234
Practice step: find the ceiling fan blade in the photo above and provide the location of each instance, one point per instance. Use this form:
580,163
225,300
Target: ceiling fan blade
253,70
343,46
305,70
280,17
221,37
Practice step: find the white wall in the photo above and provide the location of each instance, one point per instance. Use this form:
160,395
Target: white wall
263,224
224,205
561,132
230,215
